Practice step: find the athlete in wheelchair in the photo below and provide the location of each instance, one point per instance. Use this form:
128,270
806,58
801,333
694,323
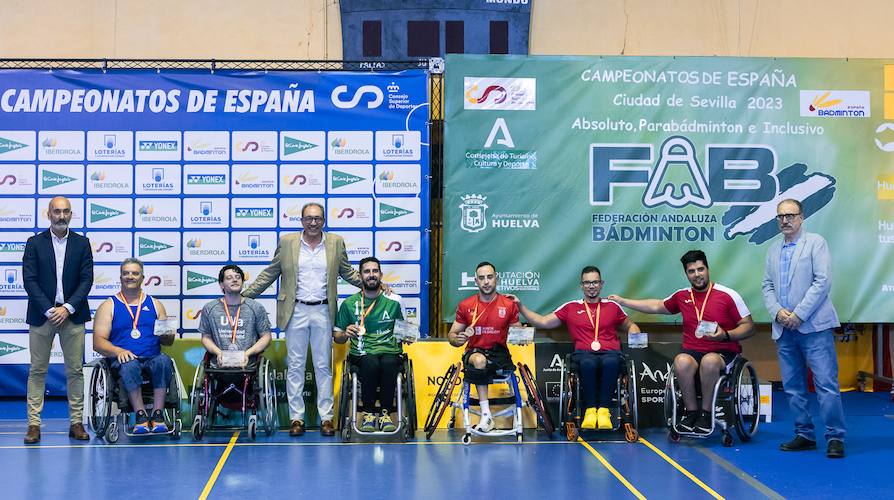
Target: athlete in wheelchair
234,376
597,376
376,368
133,366
482,325
715,319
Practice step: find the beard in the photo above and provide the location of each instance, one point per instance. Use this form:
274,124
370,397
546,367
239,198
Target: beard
371,285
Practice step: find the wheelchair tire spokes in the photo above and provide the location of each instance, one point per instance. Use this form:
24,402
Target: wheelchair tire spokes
410,402
442,399
100,404
535,399
747,402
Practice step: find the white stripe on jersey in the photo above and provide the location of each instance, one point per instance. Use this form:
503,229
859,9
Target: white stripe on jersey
671,295
737,299
579,301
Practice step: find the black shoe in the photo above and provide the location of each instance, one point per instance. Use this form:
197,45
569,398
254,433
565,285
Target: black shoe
703,424
835,449
800,443
687,423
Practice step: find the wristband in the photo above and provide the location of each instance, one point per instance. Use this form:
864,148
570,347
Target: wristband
726,335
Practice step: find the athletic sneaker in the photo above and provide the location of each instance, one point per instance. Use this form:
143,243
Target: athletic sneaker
590,419
385,422
687,423
703,424
604,419
368,423
157,423
486,424
142,425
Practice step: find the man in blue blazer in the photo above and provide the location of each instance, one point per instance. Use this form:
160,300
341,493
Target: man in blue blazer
57,269
796,285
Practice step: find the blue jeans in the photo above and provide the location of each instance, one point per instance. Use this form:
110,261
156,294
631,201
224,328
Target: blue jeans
816,350
160,368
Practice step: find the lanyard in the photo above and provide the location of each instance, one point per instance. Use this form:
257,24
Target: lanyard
232,321
368,309
475,315
700,313
590,316
136,318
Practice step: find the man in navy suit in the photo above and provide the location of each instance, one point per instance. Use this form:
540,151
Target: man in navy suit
796,286
57,268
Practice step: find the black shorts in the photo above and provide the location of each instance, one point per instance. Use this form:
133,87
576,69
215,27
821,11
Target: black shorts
728,356
498,358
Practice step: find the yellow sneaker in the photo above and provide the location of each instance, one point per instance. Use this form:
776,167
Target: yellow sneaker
589,419
604,419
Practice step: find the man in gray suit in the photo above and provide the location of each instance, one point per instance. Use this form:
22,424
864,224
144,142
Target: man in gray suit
796,285
305,308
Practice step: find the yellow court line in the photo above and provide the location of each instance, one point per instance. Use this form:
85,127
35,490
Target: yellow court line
611,469
220,464
681,469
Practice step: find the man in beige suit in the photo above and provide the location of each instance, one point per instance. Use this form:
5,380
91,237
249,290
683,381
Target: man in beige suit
305,308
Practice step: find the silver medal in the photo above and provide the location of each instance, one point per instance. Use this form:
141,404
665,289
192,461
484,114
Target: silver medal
134,334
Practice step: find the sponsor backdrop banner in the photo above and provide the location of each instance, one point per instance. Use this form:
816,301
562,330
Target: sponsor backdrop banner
553,163
189,171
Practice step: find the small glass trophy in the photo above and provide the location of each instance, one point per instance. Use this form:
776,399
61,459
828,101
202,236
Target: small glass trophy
165,327
230,358
520,335
638,340
705,328
405,331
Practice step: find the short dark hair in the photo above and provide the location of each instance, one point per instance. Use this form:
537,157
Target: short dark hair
234,267
369,259
791,200
485,263
693,256
590,269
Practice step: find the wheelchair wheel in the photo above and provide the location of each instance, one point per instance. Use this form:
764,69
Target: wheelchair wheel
100,399
535,399
631,422
442,399
197,428
268,397
671,396
112,433
253,427
178,429
747,401
197,404
410,403
344,398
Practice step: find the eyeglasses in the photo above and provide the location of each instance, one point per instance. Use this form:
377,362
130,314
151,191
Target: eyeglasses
787,217
308,219
592,283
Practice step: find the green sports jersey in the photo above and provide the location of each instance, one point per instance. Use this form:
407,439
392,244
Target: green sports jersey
379,323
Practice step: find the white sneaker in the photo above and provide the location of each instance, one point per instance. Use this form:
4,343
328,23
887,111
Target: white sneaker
486,424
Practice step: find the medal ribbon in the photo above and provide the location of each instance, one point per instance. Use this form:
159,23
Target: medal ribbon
700,313
590,317
368,309
232,321
476,316
136,318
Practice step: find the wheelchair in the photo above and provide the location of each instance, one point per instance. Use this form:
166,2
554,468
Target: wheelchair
463,402
736,403
624,413
349,396
250,391
109,408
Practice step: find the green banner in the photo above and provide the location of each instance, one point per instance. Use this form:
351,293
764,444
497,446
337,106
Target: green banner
554,163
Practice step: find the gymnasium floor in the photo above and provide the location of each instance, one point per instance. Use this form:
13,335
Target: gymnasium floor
227,466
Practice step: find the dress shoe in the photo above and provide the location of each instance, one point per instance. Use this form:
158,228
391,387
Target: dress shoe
800,443
835,448
77,431
326,429
33,434
297,428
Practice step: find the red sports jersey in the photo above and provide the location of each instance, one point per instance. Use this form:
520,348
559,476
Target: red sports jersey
493,320
611,316
725,306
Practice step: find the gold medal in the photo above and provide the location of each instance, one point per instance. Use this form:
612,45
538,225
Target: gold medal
595,345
